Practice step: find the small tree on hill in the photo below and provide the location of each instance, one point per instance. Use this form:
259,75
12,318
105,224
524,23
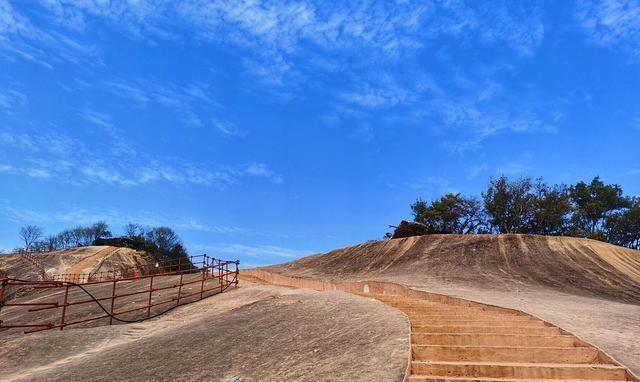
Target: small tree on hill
99,230
623,227
132,230
30,234
510,205
552,209
452,213
593,203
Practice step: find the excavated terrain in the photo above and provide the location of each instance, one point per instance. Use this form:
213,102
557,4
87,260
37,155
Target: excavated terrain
252,333
510,308
90,259
587,287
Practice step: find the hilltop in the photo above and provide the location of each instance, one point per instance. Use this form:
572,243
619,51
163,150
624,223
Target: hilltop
503,262
89,259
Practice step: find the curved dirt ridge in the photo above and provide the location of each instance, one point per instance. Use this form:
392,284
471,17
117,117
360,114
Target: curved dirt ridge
455,339
575,265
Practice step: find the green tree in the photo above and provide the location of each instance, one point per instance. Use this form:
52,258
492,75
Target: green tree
552,209
164,238
623,227
592,204
452,213
510,205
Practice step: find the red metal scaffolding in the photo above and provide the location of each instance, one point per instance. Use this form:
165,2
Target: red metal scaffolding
123,296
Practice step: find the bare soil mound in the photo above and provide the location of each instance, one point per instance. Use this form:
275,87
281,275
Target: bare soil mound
585,286
579,266
253,333
77,260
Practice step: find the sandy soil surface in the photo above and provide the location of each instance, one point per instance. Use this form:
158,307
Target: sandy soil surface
255,333
77,260
134,295
589,288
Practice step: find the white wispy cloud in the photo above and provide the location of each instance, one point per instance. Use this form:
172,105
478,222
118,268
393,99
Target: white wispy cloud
76,215
226,128
276,39
195,225
431,184
514,168
97,118
477,170
11,99
70,160
373,97
480,123
262,170
183,100
523,164
23,38
278,31
7,168
612,23
126,90
265,252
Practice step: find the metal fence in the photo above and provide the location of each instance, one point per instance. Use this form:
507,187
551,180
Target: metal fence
32,259
108,297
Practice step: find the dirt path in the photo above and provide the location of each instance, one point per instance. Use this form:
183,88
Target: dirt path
257,333
90,261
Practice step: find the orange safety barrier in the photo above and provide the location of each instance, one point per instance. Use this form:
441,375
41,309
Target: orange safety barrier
124,296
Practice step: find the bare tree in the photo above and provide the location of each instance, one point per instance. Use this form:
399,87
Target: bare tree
30,234
132,230
98,231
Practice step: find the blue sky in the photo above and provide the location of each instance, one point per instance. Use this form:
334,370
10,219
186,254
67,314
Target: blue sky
271,130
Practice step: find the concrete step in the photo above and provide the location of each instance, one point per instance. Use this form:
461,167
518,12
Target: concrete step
474,315
485,317
475,339
520,370
571,355
470,322
451,309
530,330
434,378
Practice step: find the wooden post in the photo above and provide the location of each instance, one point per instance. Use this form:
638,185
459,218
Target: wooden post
179,289
237,270
113,300
202,286
3,284
150,295
64,306
220,275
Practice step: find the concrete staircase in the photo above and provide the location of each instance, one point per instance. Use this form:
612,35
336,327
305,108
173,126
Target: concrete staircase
483,343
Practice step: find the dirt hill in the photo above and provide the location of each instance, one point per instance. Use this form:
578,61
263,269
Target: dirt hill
77,260
579,266
585,286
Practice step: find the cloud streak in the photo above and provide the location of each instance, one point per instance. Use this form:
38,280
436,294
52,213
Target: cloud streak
612,23
70,160
76,215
